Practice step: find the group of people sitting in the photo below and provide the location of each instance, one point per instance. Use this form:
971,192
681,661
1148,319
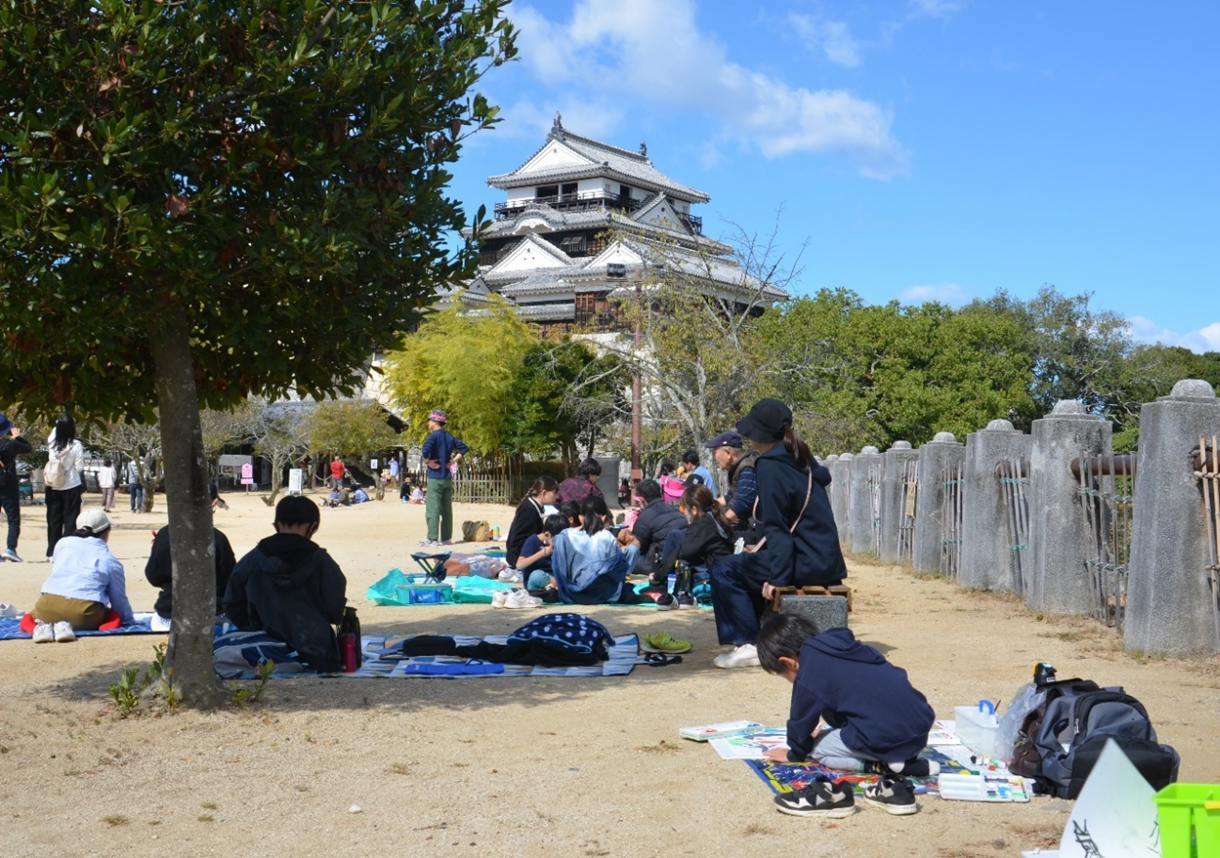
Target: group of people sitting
287,585
772,528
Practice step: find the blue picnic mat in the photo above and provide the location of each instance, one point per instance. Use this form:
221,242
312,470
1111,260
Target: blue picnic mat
10,629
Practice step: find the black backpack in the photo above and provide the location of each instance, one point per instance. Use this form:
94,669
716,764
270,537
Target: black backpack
1081,717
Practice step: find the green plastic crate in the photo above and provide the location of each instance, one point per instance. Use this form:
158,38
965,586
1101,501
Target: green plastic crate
1187,812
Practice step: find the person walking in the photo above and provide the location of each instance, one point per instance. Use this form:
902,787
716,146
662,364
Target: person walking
65,461
12,445
106,479
441,454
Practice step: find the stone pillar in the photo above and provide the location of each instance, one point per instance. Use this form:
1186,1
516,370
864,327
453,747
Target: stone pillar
865,497
829,463
840,495
935,458
986,547
893,468
1168,599
1060,538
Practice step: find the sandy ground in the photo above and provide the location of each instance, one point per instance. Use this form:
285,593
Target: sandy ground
569,767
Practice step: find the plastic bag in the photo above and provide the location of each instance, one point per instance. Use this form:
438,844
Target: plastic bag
1027,699
399,589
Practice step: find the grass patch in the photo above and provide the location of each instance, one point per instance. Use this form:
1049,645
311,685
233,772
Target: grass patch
114,820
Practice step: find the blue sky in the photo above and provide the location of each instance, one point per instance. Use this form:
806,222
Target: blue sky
919,149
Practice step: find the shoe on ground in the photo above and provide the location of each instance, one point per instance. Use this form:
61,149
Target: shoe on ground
820,798
9,612
428,543
666,602
521,599
686,600
509,576
664,642
915,768
43,633
745,655
11,556
893,794
63,632
498,598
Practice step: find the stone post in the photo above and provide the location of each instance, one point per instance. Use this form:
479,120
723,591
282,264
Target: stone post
935,459
840,495
1168,598
865,498
1059,536
893,470
986,547
829,463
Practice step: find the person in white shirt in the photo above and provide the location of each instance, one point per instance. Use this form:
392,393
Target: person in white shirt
106,478
85,585
66,455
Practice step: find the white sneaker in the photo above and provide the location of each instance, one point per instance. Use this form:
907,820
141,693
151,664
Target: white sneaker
509,576
498,598
11,556
745,655
9,612
521,599
63,632
43,633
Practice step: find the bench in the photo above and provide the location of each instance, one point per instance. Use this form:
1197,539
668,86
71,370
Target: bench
777,599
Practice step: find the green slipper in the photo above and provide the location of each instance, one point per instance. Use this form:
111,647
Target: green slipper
663,642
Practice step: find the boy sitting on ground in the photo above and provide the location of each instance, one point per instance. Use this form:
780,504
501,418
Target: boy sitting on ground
534,561
291,588
879,722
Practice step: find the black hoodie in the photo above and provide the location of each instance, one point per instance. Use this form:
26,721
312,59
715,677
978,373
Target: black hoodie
293,590
810,554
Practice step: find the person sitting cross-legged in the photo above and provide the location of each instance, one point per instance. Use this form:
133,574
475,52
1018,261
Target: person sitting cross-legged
291,588
588,564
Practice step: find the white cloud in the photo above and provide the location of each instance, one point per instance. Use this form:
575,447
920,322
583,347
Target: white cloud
829,37
1205,339
943,293
943,9
644,51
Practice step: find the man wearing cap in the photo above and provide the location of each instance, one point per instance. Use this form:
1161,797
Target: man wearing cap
86,582
730,456
440,448
798,543
12,445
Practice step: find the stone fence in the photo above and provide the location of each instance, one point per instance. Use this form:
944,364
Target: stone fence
1056,518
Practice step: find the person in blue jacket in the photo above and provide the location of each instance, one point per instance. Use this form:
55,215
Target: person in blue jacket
879,721
440,449
798,543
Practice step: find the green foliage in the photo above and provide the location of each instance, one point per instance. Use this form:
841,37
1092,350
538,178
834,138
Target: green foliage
465,364
244,695
126,692
349,428
157,679
275,170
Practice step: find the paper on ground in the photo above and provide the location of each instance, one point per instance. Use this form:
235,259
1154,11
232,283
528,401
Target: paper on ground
1114,815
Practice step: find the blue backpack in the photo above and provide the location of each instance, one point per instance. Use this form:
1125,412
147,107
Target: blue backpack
574,633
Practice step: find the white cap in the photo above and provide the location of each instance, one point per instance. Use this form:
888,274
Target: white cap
94,519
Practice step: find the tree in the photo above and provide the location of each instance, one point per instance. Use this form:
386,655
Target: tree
465,364
349,428
200,201
280,432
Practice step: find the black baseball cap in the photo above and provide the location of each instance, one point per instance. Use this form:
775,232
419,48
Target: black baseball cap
766,421
725,439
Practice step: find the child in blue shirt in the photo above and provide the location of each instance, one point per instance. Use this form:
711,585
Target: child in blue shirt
534,561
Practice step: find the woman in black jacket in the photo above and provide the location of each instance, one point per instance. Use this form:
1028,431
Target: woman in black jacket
528,520
707,538
798,541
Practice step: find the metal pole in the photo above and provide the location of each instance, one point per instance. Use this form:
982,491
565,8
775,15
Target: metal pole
637,472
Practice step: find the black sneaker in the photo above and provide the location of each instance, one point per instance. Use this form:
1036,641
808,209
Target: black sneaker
894,794
686,600
820,798
666,602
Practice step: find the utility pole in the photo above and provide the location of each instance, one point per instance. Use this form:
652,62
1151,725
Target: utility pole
637,472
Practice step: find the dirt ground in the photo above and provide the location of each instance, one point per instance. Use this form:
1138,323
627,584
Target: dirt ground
547,767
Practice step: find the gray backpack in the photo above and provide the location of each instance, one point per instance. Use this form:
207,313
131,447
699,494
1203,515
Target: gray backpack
1082,723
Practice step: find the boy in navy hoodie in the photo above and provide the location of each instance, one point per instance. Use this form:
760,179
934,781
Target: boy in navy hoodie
879,722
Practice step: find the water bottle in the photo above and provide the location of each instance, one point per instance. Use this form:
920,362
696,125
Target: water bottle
347,652
673,580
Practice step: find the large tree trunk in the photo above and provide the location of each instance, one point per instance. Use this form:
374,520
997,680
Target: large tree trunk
190,513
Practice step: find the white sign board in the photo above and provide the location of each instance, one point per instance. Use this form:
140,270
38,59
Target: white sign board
373,464
247,474
296,477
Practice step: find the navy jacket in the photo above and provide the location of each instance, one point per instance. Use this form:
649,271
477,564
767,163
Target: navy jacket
878,711
810,555
526,523
654,523
440,447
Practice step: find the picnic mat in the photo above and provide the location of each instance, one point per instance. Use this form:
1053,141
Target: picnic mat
10,629
787,777
383,658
